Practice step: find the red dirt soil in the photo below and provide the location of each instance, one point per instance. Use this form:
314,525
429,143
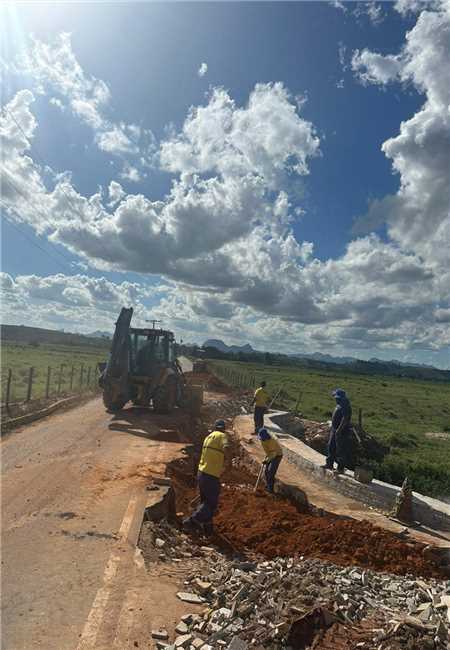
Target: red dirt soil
274,527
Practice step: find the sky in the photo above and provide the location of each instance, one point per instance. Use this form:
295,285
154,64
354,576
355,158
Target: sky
275,173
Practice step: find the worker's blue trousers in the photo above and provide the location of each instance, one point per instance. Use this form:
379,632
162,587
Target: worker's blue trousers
209,487
258,417
270,471
337,449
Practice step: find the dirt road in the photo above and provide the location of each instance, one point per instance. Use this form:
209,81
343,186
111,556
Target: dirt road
73,496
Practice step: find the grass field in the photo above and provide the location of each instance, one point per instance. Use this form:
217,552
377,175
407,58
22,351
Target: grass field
61,358
398,412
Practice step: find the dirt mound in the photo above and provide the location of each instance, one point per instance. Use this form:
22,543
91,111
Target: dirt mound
274,527
209,381
260,524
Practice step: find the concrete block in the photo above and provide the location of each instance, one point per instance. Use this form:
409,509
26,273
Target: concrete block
181,628
183,641
190,598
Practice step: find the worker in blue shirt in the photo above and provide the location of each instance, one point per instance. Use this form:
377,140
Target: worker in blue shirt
340,431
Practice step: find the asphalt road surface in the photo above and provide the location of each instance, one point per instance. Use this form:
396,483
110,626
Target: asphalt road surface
73,494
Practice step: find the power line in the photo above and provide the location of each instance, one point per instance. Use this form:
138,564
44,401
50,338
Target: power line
30,239
19,191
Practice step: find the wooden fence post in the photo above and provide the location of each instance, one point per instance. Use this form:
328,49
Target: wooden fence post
81,375
30,384
71,377
8,389
47,385
88,378
60,378
360,418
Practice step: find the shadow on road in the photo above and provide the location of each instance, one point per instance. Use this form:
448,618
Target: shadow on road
144,423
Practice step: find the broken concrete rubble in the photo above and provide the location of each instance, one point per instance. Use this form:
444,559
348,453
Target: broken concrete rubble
250,604
190,598
183,641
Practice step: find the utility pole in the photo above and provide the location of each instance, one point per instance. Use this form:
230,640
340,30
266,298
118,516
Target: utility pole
153,322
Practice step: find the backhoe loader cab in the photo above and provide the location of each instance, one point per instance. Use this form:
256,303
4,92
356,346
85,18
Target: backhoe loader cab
142,367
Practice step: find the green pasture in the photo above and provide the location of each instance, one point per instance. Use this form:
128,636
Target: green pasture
397,411
61,358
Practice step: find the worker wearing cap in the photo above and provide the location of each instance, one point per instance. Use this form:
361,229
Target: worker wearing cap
340,431
274,454
210,468
261,401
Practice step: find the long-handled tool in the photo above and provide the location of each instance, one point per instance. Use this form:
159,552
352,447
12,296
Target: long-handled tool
195,501
276,395
259,477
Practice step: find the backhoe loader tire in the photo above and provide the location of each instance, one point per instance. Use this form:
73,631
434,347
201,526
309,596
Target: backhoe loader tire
165,397
111,404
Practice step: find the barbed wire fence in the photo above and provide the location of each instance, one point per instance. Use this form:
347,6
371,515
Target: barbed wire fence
25,385
236,379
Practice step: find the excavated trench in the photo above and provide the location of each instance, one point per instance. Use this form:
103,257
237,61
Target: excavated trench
260,525
257,524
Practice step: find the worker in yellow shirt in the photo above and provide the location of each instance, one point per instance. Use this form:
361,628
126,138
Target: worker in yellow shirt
210,468
274,454
260,400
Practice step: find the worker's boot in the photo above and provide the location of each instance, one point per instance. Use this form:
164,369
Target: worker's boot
191,526
208,529
340,470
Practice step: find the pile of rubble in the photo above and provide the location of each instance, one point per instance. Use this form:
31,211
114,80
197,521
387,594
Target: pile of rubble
362,444
286,602
316,434
226,408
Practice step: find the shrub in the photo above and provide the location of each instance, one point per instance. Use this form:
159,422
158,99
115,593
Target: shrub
404,442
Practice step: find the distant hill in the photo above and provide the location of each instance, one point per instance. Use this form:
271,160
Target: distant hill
99,335
37,335
326,358
326,362
223,347
404,364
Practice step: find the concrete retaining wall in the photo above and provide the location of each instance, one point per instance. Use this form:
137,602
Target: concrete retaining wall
429,512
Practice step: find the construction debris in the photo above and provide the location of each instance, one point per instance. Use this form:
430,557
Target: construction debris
226,408
274,603
276,576
190,598
363,444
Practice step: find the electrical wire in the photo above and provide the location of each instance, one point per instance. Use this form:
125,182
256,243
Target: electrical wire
19,191
16,227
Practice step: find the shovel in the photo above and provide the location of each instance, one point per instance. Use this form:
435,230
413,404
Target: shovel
259,477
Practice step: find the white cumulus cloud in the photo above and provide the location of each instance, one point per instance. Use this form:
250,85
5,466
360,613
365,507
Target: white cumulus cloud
418,215
55,68
203,69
